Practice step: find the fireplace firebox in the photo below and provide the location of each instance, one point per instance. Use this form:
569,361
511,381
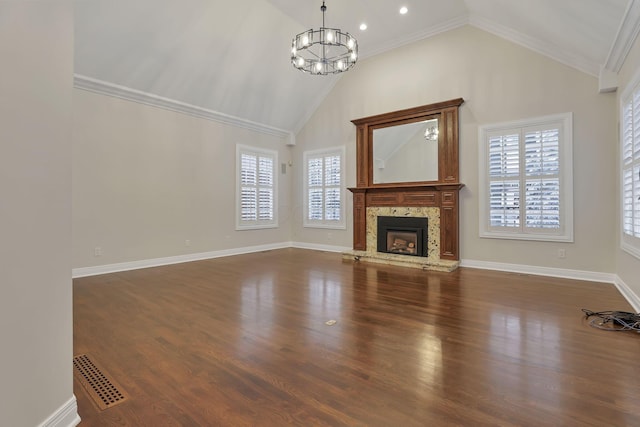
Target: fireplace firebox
403,235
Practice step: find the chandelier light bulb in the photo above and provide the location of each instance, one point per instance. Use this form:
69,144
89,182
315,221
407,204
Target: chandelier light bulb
305,41
354,56
300,62
330,36
340,65
318,66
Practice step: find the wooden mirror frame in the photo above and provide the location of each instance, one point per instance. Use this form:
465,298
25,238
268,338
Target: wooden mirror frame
447,114
442,194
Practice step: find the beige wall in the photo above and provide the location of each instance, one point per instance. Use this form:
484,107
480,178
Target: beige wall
146,179
627,266
36,52
499,81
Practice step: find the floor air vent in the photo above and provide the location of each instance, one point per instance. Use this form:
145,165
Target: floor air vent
104,392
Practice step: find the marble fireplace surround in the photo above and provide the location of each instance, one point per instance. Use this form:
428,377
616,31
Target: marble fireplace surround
436,203
433,233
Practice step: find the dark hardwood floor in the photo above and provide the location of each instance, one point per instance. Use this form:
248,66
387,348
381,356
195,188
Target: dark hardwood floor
242,341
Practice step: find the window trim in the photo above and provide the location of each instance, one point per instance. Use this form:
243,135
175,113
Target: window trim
565,233
257,224
306,222
629,244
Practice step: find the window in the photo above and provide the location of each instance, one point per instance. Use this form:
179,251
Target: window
324,196
630,169
256,188
526,189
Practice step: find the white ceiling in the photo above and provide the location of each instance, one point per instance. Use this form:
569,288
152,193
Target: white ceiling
232,57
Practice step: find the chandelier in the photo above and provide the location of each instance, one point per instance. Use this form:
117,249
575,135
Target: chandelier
324,51
431,134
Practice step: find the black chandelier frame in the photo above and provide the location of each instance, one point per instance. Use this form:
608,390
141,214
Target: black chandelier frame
324,51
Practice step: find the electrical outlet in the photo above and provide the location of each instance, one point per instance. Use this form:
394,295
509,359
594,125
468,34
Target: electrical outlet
97,251
562,253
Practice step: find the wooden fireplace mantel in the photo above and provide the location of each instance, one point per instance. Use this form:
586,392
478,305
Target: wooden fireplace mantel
442,196
442,193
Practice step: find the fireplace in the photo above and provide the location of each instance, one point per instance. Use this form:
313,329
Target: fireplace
403,235
436,200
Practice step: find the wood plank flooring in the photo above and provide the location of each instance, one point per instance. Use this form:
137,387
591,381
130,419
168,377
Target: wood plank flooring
242,341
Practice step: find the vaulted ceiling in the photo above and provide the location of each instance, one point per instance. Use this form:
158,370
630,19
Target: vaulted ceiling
232,57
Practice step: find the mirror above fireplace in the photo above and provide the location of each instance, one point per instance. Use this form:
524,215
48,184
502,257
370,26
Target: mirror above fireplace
406,153
412,146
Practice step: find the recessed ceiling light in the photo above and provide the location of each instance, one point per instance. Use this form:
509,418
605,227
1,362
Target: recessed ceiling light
403,10
363,26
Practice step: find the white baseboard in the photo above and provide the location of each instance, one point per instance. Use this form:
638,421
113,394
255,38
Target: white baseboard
591,276
317,247
628,294
156,262
65,416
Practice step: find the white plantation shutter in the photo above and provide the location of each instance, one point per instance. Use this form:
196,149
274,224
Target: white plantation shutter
504,187
332,204
525,175
632,163
315,181
627,201
627,168
505,204
636,201
265,188
323,190
256,188
630,173
542,178
249,181
332,190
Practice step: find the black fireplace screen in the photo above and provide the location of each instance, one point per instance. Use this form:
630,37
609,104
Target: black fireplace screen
402,235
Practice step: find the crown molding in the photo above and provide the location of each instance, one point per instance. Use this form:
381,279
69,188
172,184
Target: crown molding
117,91
607,80
626,36
420,35
543,48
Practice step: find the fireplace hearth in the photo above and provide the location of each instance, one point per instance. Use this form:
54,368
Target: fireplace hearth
403,235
